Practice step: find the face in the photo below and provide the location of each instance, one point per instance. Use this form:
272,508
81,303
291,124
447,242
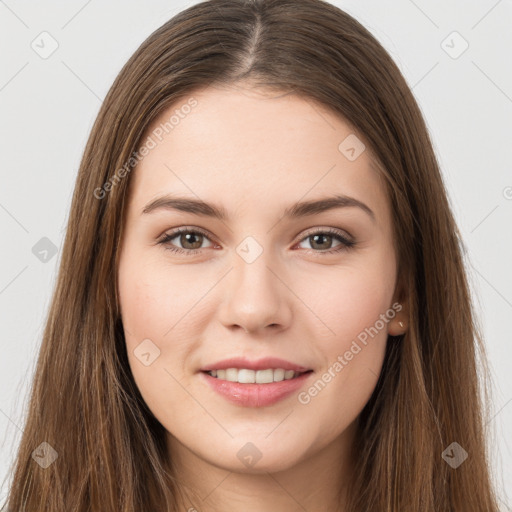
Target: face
309,285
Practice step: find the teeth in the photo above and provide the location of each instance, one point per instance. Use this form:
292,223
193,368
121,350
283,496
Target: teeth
266,376
244,376
288,374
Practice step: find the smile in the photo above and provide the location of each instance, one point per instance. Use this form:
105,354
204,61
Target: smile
253,394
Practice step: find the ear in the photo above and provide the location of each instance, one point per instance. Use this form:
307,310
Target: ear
398,325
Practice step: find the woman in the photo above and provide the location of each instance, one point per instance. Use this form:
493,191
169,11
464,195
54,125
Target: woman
314,348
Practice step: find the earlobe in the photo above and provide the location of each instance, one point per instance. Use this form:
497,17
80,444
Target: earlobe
402,326
397,327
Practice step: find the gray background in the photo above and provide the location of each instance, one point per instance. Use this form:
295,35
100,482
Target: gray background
48,106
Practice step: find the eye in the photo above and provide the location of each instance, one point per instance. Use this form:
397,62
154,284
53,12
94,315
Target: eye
322,239
190,239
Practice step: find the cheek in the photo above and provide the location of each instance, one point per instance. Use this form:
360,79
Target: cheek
157,305
151,309
356,306
353,299
154,297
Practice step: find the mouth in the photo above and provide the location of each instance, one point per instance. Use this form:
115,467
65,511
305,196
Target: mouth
255,383
252,393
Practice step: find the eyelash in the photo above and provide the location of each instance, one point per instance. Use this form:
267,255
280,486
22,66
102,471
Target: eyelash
346,244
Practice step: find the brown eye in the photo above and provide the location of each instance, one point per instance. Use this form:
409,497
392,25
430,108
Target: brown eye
322,241
188,241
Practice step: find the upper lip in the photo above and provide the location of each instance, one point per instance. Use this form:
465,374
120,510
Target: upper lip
260,364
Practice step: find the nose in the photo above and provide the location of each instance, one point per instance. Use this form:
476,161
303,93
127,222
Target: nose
256,297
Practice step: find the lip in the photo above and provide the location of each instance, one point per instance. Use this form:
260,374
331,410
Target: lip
255,395
260,364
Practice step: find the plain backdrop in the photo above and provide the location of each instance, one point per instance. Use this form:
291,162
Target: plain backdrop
455,55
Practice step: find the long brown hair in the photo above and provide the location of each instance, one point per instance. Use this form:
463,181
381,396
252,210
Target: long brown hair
84,402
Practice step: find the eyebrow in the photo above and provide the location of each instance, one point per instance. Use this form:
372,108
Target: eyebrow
300,209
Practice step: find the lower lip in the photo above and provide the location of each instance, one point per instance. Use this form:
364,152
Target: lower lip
256,395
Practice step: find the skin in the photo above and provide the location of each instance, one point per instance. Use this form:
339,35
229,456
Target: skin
256,152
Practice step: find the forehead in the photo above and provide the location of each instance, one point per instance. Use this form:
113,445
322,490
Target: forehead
244,147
